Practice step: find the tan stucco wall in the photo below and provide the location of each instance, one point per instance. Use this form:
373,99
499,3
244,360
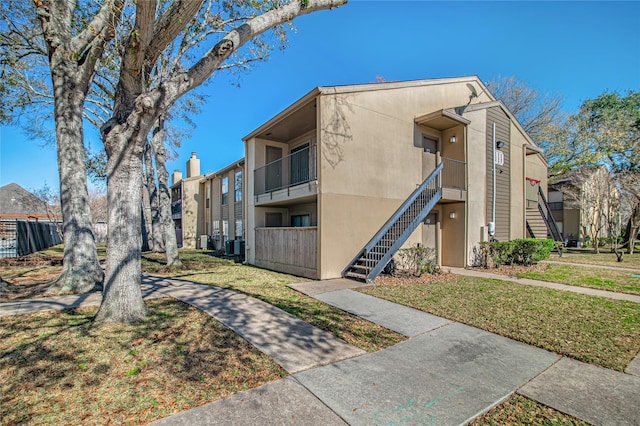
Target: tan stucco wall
453,231
372,163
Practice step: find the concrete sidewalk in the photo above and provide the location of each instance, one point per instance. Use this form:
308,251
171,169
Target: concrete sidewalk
291,342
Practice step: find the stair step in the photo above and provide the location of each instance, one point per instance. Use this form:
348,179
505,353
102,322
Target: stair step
355,275
361,268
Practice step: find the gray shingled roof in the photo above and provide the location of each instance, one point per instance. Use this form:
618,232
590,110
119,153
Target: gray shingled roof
14,199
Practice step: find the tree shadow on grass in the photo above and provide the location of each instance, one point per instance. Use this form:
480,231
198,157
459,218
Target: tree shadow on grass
63,367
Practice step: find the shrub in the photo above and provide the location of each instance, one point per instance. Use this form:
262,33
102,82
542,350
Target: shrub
521,251
419,259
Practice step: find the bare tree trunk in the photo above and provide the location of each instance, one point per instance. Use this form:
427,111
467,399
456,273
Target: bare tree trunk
122,298
633,232
168,226
157,242
81,271
144,224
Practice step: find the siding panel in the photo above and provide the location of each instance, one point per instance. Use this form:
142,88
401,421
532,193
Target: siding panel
503,172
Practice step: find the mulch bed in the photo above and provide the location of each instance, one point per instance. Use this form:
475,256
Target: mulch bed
406,277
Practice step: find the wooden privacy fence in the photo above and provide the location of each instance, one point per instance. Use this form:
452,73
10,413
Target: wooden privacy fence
290,250
19,237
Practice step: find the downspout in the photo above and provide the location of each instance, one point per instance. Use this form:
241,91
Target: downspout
466,204
493,172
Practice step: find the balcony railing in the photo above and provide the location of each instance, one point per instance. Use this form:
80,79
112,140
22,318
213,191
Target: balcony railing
294,169
453,173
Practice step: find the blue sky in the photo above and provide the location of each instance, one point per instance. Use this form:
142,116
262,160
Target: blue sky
576,49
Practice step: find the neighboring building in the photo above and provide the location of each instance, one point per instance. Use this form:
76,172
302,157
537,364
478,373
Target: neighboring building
584,201
27,223
222,209
18,203
185,203
325,175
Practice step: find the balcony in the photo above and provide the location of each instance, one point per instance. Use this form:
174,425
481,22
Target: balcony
176,209
289,177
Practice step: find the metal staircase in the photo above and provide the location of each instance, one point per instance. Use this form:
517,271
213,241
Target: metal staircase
547,216
372,259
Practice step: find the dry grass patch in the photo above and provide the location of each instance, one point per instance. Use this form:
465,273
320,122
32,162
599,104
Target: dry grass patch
591,329
60,368
518,410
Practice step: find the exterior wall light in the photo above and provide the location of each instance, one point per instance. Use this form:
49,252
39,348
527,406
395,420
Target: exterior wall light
452,139
499,144
452,215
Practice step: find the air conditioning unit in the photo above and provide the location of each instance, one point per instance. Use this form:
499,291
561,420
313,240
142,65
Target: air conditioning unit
229,247
203,242
238,248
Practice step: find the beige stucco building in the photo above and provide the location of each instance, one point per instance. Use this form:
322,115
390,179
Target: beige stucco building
223,208
327,173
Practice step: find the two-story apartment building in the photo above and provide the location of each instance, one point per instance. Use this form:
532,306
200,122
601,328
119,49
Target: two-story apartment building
347,172
223,208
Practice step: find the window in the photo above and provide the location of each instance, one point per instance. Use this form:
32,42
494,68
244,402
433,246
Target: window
216,227
225,228
238,229
225,190
238,186
299,220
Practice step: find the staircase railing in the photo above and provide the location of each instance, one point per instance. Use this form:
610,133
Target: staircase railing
549,220
372,259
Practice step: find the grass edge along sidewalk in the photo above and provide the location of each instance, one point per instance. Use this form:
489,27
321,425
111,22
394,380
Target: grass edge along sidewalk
587,328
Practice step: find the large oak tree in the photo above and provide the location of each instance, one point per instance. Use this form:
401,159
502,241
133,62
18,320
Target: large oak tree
138,106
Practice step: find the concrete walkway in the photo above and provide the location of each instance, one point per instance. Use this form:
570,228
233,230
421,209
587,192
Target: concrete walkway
447,373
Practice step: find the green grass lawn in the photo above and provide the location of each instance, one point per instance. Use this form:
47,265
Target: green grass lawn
591,329
603,279
604,258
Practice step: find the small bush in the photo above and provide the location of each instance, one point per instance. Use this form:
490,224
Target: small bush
419,259
521,251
